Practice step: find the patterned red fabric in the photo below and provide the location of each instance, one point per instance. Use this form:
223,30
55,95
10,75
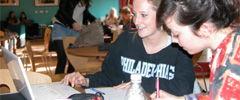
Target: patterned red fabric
224,83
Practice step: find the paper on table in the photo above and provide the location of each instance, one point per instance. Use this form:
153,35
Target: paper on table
110,93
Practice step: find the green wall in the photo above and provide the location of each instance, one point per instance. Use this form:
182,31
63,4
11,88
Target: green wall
99,8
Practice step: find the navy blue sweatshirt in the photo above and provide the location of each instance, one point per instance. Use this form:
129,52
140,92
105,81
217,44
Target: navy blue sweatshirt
127,55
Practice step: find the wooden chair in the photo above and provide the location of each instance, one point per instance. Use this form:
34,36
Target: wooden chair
2,33
31,54
3,64
7,85
38,78
79,63
4,88
45,52
116,33
6,81
195,58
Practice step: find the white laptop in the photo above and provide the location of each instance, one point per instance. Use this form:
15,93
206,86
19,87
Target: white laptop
49,91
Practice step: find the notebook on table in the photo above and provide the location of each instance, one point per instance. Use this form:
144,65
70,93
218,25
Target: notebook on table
48,91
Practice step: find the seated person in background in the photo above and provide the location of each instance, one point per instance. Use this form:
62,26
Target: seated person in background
111,21
200,24
12,19
126,19
22,18
111,18
147,51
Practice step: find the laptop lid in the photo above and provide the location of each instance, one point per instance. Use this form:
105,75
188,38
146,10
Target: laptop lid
18,74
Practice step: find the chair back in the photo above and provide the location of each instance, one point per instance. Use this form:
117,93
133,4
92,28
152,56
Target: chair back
7,85
4,88
47,35
2,62
1,33
30,55
196,57
115,35
38,78
77,61
6,81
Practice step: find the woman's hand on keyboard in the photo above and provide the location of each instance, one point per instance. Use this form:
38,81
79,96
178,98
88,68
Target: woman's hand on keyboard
75,78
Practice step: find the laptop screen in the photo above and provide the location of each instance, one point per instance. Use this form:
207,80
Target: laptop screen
18,74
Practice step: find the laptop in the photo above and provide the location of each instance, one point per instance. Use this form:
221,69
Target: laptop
48,91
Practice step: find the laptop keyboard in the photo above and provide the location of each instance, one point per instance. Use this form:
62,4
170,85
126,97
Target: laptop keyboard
44,92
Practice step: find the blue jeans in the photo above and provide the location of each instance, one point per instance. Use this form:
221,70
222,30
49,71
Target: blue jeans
60,31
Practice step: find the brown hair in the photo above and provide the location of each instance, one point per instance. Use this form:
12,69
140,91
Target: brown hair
125,10
194,13
155,4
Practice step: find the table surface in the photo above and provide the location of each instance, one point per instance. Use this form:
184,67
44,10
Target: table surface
4,38
87,52
58,77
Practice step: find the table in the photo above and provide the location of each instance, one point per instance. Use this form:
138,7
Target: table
87,52
58,77
4,38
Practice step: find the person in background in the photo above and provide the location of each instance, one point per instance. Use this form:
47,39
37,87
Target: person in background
148,51
70,17
12,19
22,17
126,19
200,24
111,18
111,22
